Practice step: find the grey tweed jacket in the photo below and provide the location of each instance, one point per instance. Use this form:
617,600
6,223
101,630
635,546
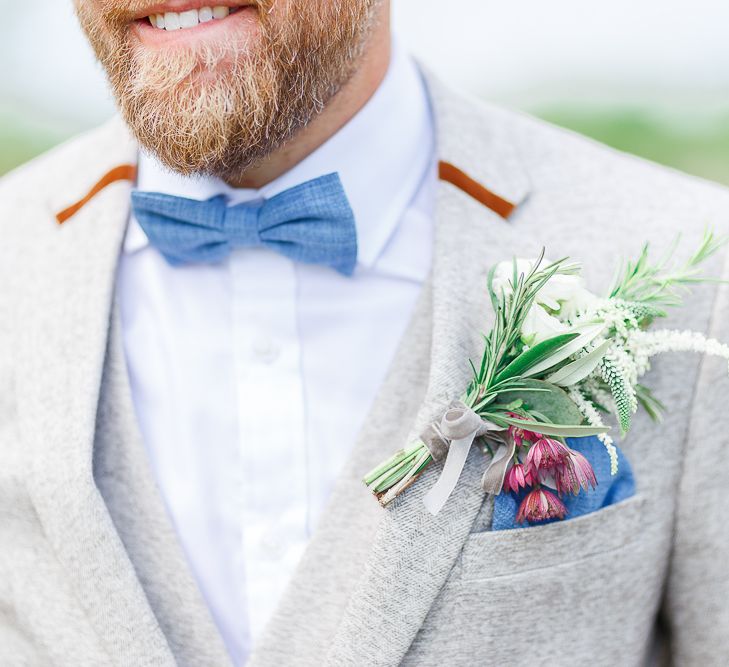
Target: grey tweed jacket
90,569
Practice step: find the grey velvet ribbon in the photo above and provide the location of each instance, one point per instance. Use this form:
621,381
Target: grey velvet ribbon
451,440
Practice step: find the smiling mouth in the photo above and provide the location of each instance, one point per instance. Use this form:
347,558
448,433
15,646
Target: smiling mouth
191,18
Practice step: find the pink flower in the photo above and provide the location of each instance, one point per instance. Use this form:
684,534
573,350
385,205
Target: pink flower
575,473
521,434
539,505
518,477
546,454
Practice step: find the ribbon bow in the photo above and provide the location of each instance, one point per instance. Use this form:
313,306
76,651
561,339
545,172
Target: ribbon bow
451,440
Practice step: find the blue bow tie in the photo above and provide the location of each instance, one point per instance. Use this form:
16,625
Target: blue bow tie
311,223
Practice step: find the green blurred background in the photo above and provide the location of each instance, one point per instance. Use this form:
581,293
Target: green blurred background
651,78
697,143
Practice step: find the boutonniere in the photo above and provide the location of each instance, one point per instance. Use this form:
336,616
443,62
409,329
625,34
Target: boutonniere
556,360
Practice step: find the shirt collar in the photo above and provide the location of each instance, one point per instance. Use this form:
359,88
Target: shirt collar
381,155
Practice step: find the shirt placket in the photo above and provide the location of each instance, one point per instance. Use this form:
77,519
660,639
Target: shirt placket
271,485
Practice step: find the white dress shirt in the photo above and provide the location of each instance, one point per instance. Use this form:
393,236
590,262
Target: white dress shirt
252,377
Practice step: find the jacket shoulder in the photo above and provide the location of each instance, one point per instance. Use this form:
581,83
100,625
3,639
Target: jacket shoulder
32,194
585,160
66,163
568,173
556,159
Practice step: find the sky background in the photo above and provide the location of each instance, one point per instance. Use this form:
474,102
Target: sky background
572,61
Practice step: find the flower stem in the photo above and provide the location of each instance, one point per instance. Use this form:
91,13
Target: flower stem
394,475
420,463
393,461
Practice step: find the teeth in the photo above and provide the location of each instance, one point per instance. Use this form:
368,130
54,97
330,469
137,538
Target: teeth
172,21
188,19
157,20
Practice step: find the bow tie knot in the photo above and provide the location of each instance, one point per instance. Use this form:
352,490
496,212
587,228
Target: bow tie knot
311,223
241,224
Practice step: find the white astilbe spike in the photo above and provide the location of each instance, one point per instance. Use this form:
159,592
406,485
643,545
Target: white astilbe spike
650,343
589,411
597,394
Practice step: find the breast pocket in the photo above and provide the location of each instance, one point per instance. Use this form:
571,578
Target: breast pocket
576,592
509,552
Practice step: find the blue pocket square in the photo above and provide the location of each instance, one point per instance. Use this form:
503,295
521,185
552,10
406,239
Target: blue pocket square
610,489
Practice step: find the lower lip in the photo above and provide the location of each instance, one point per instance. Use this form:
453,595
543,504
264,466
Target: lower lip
241,21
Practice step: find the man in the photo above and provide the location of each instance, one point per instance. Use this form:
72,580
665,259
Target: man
186,415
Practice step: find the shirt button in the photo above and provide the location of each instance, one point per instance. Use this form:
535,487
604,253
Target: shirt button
266,351
273,545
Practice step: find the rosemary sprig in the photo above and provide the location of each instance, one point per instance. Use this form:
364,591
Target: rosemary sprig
659,284
504,340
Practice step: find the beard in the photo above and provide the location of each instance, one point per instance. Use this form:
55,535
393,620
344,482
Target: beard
220,108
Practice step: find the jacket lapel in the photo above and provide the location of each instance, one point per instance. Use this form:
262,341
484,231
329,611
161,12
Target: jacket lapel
61,356
413,552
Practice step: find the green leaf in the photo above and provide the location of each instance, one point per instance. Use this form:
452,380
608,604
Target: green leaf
578,370
587,334
484,359
490,285
547,399
564,430
649,402
529,358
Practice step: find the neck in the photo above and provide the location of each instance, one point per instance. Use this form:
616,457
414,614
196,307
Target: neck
337,113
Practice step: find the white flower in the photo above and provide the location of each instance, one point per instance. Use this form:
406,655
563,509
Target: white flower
539,325
574,300
564,295
505,272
